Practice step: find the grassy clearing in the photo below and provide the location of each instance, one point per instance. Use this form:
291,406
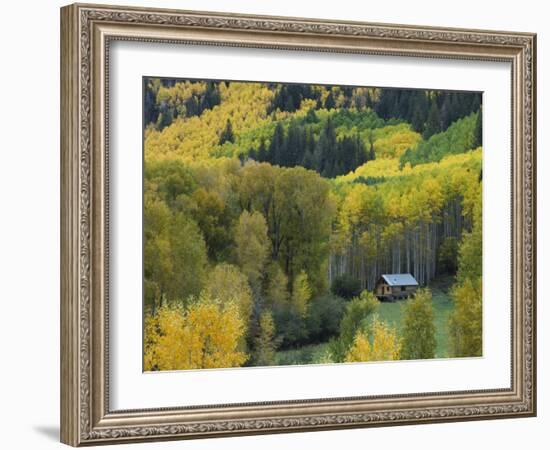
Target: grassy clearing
391,313
442,305
307,354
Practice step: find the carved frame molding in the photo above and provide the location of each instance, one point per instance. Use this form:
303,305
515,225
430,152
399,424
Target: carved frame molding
86,31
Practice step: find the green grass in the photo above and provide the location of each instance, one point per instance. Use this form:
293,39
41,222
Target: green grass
391,313
308,354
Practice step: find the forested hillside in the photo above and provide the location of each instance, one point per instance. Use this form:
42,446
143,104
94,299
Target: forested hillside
270,212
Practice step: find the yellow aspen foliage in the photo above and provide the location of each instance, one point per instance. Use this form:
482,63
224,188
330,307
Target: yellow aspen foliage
227,284
277,281
190,138
301,293
392,141
203,336
385,345
265,342
389,167
179,92
252,245
361,349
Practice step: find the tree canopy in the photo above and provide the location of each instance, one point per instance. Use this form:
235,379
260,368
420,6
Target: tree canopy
271,210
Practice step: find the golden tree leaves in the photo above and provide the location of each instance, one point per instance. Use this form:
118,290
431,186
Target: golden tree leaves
203,336
385,344
227,284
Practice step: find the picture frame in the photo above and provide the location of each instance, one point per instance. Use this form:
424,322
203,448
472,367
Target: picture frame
87,32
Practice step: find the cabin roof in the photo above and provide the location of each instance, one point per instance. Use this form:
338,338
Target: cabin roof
399,279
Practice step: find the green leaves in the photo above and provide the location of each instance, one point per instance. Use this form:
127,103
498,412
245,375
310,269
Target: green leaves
354,321
418,329
458,138
259,195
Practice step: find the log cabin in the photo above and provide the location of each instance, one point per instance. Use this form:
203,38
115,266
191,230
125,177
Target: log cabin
394,286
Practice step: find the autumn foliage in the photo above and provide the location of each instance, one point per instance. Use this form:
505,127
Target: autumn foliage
205,335
271,210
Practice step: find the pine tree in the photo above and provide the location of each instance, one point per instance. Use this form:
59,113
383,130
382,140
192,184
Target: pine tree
418,105
372,155
432,123
311,117
478,131
252,154
211,96
227,133
476,103
192,107
361,156
329,102
293,148
445,115
276,145
262,151
348,155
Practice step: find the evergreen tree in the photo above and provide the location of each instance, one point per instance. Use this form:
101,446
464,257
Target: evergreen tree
253,154
418,107
309,160
192,107
289,105
476,103
262,151
227,133
276,146
432,123
361,157
348,155
478,131
445,114
372,155
151,88
329,102
165,118
211,96
325,150
311,117
294,146
387,104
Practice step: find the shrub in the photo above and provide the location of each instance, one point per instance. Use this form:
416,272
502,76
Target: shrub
346,286
324,316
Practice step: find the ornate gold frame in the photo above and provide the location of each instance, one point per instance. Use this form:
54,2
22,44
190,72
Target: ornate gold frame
86,31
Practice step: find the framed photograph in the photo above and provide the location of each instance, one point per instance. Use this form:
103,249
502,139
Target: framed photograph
275,224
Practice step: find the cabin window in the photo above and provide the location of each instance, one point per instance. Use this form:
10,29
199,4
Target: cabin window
403,288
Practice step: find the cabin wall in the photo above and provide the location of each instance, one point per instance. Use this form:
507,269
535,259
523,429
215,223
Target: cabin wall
409,290
383,289
394,292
